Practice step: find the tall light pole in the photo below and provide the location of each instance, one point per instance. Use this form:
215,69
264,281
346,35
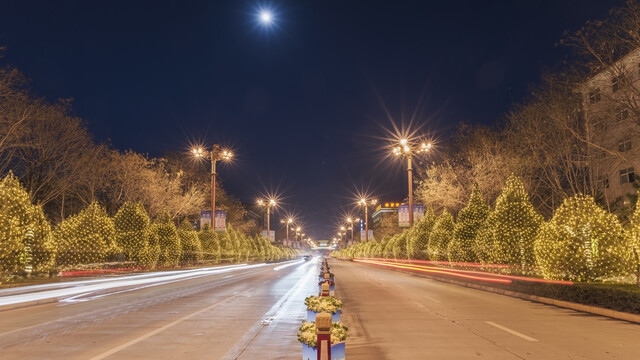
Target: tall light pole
407,150
350,221
287,223
216,154
366,202
269,203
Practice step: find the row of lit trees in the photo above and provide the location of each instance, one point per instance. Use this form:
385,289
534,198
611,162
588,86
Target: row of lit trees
64,170
581,242
29,243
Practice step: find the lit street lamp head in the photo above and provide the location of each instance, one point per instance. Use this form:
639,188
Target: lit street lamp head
226,155
198,152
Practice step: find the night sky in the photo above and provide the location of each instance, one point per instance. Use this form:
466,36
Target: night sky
302,102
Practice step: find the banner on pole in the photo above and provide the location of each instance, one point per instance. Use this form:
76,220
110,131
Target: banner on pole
403,214
221,220
363,235
205,218
272,235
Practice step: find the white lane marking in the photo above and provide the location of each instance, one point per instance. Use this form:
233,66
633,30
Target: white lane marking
504,328
285,266
158,330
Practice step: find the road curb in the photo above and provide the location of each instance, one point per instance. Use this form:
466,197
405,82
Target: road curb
618,315
29,303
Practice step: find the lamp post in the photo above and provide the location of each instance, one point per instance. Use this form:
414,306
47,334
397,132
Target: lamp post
366,202
350,221
268,204
216,154
287,223
407,150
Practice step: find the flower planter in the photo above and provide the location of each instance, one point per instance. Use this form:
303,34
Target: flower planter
331,289
335,317
338,352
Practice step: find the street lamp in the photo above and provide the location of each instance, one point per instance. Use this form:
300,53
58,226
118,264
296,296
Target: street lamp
350,220
407,150
287,223
214,155
268,203
366,203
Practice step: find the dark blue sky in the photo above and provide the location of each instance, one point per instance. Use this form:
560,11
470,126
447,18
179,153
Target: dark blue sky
301,103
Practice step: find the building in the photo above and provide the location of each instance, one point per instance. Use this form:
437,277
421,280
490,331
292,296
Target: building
610,109
383,210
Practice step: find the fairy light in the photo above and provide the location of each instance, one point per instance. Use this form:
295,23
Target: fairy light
509,232
470,220
441,236
17,218
86,238
166,235
133,234
583,242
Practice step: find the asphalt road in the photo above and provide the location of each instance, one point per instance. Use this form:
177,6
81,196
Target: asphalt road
395,315
238,313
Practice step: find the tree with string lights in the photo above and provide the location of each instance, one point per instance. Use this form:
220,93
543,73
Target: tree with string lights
25,233
512,227
165,233
191,246
583,242
418,236
441,236
470,220
85,238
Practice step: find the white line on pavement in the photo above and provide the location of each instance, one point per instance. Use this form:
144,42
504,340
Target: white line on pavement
504,328
160,329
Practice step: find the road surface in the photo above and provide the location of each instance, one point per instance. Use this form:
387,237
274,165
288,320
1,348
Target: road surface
395,315
241,312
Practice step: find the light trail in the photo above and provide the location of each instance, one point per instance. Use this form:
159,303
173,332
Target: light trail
76,289
435,271
481,274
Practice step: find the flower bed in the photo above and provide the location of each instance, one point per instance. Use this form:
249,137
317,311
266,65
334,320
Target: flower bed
307,333
328,304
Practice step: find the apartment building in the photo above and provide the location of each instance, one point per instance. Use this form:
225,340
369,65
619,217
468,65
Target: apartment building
610,108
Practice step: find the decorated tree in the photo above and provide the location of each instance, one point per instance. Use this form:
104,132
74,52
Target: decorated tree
191,246
470,220
633,236
88,237
165,234
390,245
400,246
513,226
583,242
418,236
25,233
210,244
441,236
133,235
482,245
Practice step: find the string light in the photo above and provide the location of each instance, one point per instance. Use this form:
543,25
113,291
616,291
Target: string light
510,230
583,242
441,236
470,220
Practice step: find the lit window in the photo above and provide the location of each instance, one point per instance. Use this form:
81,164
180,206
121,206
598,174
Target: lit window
624,145
594,96
603,182
627,176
